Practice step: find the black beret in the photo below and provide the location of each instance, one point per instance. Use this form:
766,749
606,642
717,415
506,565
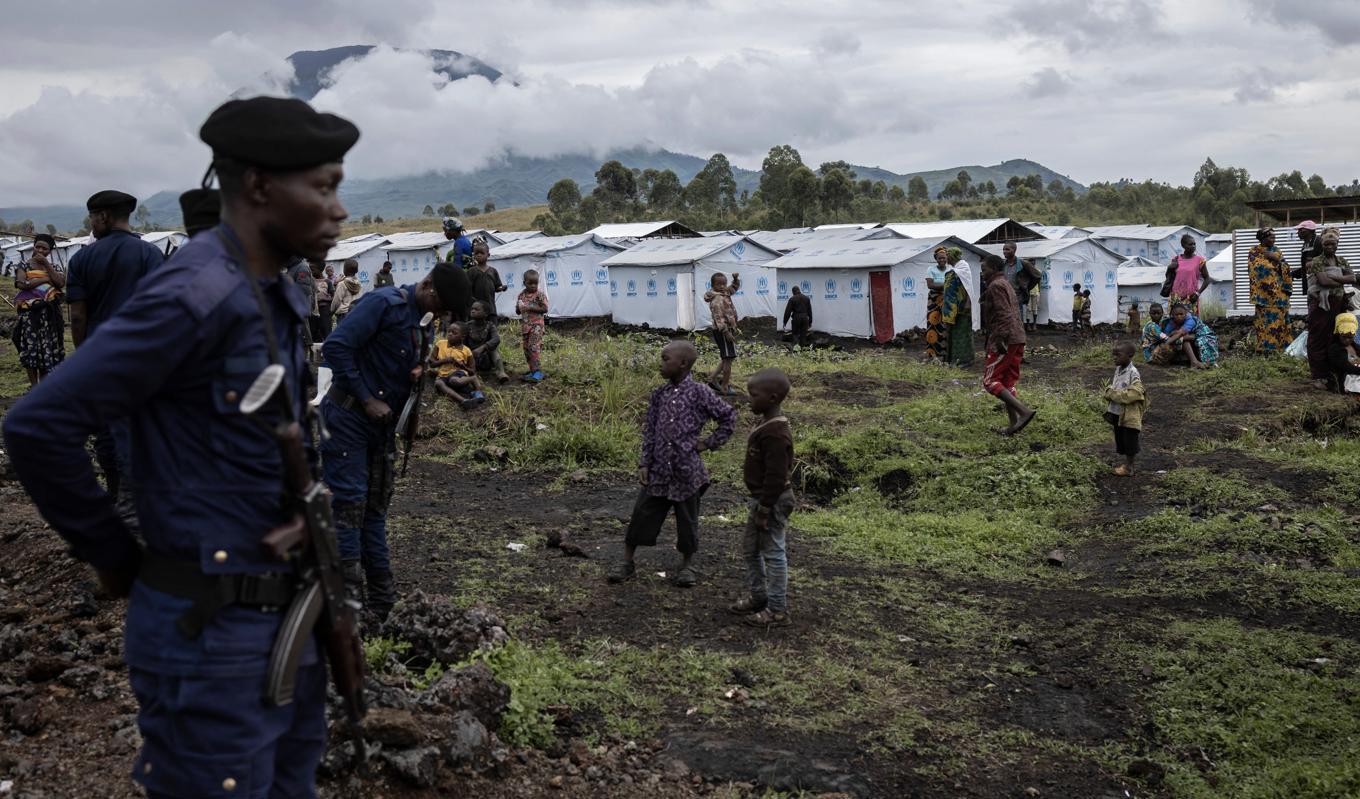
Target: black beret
277,133
111,200
202,209
454,289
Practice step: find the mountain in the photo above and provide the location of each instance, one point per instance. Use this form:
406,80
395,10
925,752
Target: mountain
518,181
310,67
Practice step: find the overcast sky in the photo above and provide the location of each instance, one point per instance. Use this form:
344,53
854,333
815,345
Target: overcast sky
96,94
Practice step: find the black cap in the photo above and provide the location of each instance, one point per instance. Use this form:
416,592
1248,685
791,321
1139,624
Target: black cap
277,133
202,209
453,288
111,200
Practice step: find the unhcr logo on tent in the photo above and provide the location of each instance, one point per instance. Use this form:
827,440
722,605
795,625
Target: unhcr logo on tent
909,288
783,289
1046,281
577,279
552,277
1109,279
632,288
830,293
739,249
806,286
651,288
1067,280
363,276
613,288
856,289
670,287
602,278
762,285
1088,278
510,280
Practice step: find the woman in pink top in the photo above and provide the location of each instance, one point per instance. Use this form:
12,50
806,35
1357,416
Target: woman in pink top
1189,274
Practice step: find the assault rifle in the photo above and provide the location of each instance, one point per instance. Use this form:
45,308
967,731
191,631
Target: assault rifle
308,541
408,424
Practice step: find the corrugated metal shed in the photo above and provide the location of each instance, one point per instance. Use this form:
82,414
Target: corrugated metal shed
875,254
788,242
542,245
672,252
973,231
1287,240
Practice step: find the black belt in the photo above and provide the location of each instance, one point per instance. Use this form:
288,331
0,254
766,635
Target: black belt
213,592
342,398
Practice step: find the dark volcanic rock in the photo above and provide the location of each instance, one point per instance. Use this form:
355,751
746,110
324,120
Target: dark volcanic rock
472,689
439,630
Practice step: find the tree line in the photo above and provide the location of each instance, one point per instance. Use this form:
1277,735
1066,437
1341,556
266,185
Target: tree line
792,194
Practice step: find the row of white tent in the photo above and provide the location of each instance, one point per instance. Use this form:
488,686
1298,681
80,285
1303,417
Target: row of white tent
16,249
866,281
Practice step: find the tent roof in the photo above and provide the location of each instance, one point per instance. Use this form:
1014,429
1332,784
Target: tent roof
508,236
1221,266
673,252
353,249
1053,248
405,242
638,230
849,226
1219,237
787,242
1139,232
542,245
1057,231
1140,271
876,253
969,230
157,236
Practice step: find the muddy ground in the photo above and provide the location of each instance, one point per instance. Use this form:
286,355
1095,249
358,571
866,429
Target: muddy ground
1051,700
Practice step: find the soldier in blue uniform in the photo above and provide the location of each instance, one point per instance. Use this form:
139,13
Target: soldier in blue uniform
375,358
100,279
205,597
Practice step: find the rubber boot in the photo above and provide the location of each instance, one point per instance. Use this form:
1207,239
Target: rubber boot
382,593
353,573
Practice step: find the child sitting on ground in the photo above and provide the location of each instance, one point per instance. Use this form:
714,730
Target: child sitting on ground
455,368
532,307
671,472
1127,402
769,462
724,313
485,341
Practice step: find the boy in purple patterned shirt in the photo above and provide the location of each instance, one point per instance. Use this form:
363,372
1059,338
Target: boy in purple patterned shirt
671,472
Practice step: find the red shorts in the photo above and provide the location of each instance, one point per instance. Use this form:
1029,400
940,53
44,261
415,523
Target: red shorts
1002,370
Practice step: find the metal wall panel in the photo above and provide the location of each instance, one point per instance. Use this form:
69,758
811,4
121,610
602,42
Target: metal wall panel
1286,238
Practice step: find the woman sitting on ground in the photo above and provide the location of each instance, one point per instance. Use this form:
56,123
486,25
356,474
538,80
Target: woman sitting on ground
1341,352
1188,338
1152,335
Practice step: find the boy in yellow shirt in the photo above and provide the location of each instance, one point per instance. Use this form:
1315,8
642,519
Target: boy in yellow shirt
455,368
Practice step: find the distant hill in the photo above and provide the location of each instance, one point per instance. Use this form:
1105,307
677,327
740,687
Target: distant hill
519,181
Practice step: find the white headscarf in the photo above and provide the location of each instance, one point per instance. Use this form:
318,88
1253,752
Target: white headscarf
965,273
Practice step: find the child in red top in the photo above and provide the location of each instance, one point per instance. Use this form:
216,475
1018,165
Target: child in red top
532,307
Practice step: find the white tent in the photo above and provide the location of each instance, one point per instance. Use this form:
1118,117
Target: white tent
61,254
167,241
1060,231
1216,243
569,272
788,242
1065,262
870,289
1158,243
849,226
973,231
509,236
661,282
1140,281
367,249
1218,300
630,232
413,255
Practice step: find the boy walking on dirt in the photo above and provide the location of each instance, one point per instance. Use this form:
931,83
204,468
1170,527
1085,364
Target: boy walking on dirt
671,472
724,313
1005,343
1127,402
769,462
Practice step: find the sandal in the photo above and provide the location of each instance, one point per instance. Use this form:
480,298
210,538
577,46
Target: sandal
1122,470
746,606
623,572
768,618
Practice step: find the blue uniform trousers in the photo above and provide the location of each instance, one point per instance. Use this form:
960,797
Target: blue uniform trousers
216,737
357,463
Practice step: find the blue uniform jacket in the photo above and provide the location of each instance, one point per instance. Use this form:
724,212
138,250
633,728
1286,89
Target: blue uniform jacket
175,360
372,353
104,274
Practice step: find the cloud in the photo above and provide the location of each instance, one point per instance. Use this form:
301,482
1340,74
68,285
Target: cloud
1352,96
1338,21
1080,25
1047,82
1261,86
836,42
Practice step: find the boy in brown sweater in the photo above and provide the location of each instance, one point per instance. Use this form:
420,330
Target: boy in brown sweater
769,461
